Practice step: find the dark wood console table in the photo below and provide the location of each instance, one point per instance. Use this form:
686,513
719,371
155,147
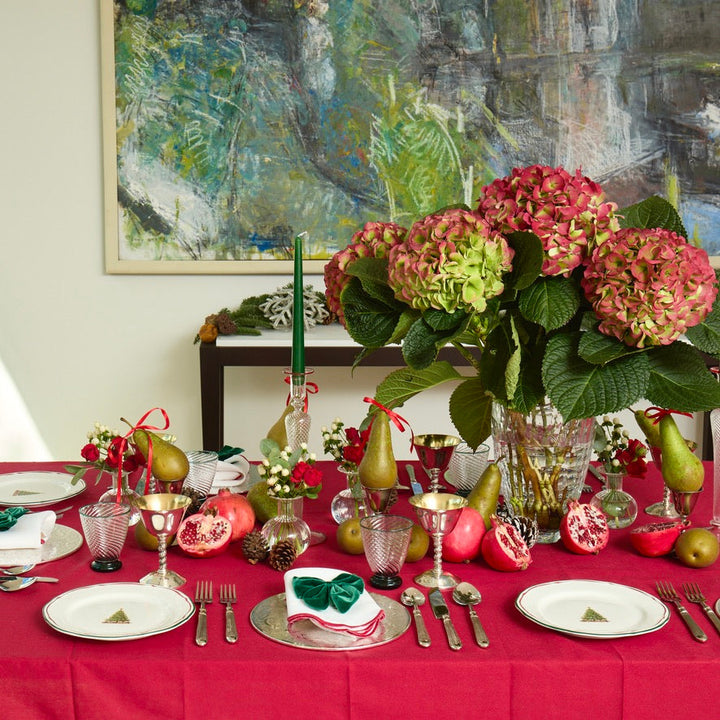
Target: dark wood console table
325,346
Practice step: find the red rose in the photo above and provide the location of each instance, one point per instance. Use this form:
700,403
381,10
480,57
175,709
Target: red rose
353,436
298,473
353,453
90,453
312,476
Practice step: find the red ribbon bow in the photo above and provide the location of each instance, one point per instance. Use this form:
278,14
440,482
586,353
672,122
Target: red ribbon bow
310,389
395,417
140,425
655,413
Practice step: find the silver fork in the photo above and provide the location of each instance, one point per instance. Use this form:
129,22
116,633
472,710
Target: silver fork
203,596
695,595
667,593
228,598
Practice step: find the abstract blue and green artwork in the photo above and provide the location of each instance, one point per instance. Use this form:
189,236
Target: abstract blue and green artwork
238,124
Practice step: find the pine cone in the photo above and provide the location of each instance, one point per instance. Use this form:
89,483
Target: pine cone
196,498
226,325
282,555
254,547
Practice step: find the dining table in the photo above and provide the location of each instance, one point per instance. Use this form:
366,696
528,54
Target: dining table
527,671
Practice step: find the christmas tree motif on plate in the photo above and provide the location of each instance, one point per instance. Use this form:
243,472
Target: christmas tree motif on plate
591,615
118,618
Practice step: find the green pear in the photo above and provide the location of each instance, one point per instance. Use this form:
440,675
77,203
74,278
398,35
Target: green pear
169,462
682,470
484,496
377,469
277,432
649,427
265,507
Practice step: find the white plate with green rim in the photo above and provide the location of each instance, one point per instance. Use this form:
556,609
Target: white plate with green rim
592,608
35,489
118,611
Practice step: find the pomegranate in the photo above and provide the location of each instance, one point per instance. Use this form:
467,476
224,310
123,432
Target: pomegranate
463,542
236,508
204,535
584,529
656,539
504,548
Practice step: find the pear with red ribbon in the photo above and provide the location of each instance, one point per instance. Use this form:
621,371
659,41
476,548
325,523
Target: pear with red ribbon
378,469
682,470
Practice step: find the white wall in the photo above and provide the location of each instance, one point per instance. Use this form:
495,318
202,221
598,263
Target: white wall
82,345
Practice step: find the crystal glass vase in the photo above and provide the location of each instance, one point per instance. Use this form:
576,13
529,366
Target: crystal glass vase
349,502
128,496
288,524
543,461
618,506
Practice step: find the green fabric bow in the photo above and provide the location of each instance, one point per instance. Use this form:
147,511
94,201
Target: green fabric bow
10,516
228,451
342,592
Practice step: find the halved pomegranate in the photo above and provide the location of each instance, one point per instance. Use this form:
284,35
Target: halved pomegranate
584,529
503,548
204,535
656,539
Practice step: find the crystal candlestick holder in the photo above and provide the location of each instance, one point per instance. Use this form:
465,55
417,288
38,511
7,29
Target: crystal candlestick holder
297,421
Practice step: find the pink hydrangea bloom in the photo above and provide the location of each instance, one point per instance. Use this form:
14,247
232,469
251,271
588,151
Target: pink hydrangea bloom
648,286
569,214
449,260
374,240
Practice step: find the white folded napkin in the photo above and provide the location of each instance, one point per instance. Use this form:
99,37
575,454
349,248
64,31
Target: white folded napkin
362,619
226,471
29,532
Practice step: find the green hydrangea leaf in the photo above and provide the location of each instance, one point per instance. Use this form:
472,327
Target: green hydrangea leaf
706,335
370,322
373,275
550,302
580,389
421,343
598,349
470,411
680,380
401,385
653,212
528,259
443,321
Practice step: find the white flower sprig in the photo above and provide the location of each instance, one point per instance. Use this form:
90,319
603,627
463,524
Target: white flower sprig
289,473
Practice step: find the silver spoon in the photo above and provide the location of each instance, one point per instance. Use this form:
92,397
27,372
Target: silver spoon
17,584
17,570
469,595
413,598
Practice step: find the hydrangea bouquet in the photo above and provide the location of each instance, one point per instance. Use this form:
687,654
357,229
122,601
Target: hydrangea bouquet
547,290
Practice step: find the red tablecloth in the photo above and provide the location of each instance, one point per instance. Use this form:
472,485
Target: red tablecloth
527,672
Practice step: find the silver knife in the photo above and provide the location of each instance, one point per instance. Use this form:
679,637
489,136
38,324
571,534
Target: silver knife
37,578
414,484
441,611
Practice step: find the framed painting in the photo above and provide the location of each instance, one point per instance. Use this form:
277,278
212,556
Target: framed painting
231,126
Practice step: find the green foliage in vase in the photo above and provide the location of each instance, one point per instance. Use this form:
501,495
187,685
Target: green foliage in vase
592,313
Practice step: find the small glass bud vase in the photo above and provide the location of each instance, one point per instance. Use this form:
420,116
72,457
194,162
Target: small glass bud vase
618,506
349,502
288,524
128,496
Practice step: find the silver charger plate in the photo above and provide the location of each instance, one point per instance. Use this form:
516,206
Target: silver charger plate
269,618
35,489
63,541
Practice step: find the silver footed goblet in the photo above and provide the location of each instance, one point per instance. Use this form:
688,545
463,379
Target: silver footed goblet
162,514
435,451
438,514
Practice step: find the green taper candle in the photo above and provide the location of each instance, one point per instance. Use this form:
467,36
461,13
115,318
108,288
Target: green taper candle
298,346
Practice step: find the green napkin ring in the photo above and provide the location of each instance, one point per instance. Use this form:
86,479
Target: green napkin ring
342,592
10,516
